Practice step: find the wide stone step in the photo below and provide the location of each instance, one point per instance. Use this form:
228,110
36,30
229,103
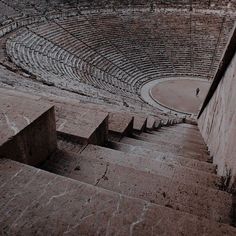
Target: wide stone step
190,126
170,133
165,136
178,151
165,157
66,144
183,131
84,125
140,122
44,200
177,135
182,142
150,165
152,123
120,124
201,201
27,128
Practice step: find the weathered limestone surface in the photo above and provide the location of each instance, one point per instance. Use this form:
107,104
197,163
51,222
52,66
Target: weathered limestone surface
169,158
84,125
151,122
140,122
167,148
35,202
150,165
183,146
111,173
120,123
160,137
217,123
27,129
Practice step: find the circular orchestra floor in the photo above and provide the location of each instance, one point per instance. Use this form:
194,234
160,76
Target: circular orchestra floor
180,94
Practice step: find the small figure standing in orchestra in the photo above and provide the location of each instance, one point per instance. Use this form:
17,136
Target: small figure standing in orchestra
197,92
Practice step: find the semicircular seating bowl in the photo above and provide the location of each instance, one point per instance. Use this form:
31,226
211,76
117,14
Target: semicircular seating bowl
117,52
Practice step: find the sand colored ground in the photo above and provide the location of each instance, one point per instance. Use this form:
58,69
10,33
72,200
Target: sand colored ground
180,94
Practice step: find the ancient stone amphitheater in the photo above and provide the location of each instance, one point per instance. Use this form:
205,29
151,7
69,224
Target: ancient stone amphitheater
101,132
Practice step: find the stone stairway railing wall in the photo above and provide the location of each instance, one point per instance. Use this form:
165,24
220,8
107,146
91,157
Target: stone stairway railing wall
218,115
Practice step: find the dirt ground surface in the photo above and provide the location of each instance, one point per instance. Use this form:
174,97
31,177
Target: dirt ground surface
180,94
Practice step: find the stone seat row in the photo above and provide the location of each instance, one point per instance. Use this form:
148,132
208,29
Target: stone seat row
103,59
98,42
36,63
178,59
133,58
23,115
89,91
98,61
120,46
32,43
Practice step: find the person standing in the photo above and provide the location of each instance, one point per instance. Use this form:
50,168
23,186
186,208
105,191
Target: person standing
197,92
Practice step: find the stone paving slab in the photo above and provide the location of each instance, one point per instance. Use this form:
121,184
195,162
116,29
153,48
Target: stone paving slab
139,118
119,122
35,202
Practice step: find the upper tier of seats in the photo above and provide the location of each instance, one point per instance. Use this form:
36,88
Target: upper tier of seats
107,50
120,51
12,8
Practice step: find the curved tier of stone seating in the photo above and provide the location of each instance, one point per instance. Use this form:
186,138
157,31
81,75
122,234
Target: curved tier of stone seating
119,52
90,36
100,34
128,43
34,7
12,10
92,99
45,58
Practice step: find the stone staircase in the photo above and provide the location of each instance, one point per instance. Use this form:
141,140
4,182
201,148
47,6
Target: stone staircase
190,186
108,177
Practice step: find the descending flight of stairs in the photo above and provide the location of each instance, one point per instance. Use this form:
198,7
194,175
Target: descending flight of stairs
143,177
169,167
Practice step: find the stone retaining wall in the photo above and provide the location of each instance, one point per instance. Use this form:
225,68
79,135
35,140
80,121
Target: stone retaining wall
217,124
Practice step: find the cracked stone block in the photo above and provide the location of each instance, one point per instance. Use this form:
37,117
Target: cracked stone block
27,129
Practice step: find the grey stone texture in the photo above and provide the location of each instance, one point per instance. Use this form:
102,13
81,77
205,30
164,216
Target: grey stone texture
105,162
217,125
27,129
